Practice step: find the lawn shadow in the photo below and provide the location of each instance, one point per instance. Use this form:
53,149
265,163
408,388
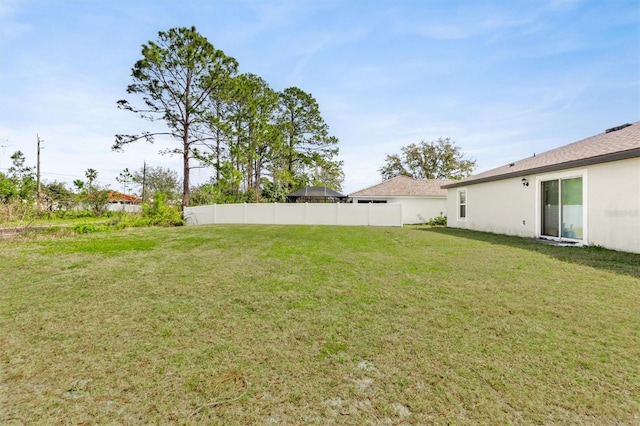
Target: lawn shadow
596,257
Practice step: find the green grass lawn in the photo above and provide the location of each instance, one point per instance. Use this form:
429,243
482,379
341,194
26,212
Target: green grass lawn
316,325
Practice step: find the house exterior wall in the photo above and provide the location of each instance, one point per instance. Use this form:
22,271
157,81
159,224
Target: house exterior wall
413,208
122,207
614,205
501,207
611,205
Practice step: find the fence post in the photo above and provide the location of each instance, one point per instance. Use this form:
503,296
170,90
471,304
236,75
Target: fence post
275,213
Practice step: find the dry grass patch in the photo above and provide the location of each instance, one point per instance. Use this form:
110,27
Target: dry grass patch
315,325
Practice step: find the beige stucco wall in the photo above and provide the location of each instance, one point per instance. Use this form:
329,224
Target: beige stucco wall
501,207
614,205
611,198
415,207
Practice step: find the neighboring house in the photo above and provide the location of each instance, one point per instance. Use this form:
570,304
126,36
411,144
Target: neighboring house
119,201
587,192
421,199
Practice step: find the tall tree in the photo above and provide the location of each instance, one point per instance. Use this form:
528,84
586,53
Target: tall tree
125,178
441,159
256,135
306,137
329,174
158,180
57,195
219,125
23,177
175,77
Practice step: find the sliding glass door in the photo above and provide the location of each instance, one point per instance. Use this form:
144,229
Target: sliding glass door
550,208
562,215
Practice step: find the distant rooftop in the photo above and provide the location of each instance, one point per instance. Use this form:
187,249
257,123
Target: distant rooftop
315,194
115,196
405,186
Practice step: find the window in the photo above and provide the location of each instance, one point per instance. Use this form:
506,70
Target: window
462,204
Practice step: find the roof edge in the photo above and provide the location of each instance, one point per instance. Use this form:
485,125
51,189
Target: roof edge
386,181
379,183
616,156
397,196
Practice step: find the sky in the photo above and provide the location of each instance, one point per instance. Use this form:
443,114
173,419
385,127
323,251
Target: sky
502,79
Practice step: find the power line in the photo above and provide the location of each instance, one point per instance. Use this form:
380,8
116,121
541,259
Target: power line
76,176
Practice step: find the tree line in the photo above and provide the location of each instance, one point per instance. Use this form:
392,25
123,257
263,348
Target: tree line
20,195
440,159
257,141
19,192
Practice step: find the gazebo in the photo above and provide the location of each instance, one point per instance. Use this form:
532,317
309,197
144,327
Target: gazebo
316,194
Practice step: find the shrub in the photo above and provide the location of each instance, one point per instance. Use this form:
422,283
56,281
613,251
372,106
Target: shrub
274,192
438,221
160,213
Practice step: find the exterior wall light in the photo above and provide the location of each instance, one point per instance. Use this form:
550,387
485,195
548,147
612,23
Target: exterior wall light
525,182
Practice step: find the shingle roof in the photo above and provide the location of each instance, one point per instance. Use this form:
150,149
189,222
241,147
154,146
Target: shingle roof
405,186
119,196
609,146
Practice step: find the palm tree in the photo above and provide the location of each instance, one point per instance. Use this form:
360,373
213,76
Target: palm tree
91,175
79,184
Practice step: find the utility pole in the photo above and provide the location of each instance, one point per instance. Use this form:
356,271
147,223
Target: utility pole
144,180
38,174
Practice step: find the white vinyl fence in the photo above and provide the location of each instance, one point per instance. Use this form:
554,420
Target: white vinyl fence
297,214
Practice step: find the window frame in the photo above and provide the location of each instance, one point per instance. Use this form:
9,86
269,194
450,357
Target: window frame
462,202
560,176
